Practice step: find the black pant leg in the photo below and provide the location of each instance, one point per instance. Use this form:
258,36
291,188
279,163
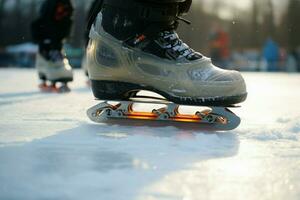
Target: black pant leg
53,24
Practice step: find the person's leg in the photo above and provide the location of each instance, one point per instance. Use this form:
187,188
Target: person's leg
53,25
49,30
134,46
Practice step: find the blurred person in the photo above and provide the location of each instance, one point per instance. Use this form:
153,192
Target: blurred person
271,54
295,54
49,31
291,63
283,59
219,46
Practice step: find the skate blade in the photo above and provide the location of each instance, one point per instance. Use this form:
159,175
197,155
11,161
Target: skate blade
216,118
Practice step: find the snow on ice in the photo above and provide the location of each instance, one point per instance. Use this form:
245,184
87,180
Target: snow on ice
50,150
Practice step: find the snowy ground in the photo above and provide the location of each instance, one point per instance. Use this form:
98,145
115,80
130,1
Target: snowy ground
50,150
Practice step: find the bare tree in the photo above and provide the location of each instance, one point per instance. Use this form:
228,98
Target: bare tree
292,21
269,29
255,29
2,3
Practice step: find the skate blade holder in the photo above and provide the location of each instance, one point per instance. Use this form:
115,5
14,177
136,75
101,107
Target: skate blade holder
54,88
219,118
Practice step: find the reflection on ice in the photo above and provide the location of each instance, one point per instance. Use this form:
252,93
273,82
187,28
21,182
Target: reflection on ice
105,162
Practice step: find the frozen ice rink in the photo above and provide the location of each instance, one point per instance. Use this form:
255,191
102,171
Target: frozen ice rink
50,150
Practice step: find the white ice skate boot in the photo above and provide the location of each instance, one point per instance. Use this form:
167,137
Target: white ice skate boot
118,71
55,70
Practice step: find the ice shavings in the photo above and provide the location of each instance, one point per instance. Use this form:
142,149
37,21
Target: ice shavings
285,129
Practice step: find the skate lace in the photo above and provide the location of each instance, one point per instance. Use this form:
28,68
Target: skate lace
176,48
55,55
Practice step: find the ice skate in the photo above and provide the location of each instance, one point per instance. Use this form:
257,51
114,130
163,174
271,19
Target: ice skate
54,72
49,30
216,118
159,62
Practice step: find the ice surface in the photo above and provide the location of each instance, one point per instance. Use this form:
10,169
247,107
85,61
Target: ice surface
50,150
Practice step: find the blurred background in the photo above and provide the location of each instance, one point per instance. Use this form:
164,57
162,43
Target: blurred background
247,35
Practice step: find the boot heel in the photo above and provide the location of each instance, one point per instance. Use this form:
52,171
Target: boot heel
113,90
